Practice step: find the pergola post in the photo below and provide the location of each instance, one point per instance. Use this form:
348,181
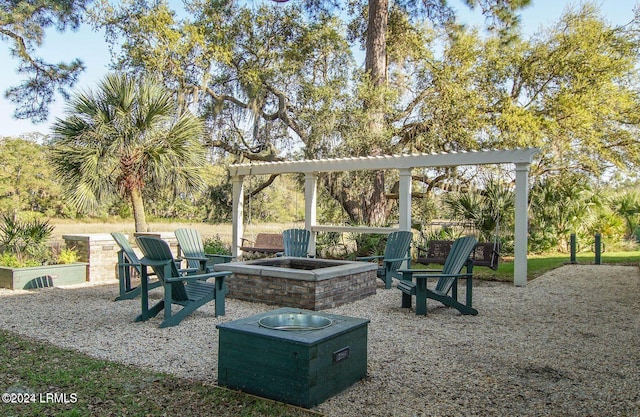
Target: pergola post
237,213
521,226
310,200
404,201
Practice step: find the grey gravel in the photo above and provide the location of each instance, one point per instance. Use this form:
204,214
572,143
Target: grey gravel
567,344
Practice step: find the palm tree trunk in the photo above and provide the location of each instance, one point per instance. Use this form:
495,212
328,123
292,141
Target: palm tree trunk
138,210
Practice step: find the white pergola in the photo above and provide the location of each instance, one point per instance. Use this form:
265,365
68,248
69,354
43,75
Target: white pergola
520,158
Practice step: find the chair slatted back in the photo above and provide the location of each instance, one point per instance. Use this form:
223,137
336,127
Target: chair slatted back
458,256
158,250
190,242
127,252
296,242
398,244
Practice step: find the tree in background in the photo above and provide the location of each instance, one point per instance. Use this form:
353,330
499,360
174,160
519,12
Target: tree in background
279,82
125,139
26,179
22,25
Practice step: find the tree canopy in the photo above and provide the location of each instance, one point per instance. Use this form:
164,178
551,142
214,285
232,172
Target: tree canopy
277,81
23,25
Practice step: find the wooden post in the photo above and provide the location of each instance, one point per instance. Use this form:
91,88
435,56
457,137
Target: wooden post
521,226
237,214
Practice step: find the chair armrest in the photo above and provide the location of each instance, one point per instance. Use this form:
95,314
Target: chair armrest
369,258
406,258
199,277
419,271
215,255
427,276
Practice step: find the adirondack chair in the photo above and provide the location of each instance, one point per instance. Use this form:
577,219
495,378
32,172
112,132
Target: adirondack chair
396,251
296,243
191,291
128,262
459,256
192,250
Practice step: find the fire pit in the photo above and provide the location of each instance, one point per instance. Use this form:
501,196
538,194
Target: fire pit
296,356
312,284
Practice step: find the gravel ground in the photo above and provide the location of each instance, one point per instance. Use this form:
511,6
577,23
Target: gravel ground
566,345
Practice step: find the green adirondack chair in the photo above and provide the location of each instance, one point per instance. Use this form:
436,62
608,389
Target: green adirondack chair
191,291
192,250
396,251
459,257
128,262
296,242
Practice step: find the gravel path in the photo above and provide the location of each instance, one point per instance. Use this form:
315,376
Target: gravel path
566,345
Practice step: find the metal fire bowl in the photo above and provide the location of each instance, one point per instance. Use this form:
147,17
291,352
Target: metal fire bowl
295,321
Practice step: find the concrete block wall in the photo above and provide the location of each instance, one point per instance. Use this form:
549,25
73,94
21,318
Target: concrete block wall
100,251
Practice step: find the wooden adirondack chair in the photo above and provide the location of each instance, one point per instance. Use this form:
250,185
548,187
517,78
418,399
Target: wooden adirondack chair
128,262
296,242
192,250
459,256
189,291
396,251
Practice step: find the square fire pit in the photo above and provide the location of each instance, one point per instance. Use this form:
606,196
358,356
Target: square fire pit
312,284
296,356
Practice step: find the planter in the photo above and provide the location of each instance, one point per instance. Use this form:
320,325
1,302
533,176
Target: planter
43,276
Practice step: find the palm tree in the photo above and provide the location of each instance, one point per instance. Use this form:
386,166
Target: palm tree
126,137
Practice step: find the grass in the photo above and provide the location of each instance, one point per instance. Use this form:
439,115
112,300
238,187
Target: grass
539,264
84,386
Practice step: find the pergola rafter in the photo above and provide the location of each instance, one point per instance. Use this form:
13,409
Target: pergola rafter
520,158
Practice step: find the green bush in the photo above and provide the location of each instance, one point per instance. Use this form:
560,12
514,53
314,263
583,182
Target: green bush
67,256
214,245
11,260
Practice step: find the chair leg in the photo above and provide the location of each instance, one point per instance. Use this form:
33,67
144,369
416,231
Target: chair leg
469,292
406,300
421,297
220,296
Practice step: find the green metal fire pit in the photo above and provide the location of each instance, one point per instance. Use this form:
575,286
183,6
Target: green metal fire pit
291,355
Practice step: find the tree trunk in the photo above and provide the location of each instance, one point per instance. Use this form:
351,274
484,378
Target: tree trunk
138,210
376,68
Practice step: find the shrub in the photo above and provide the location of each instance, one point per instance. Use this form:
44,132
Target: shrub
215,245
67,256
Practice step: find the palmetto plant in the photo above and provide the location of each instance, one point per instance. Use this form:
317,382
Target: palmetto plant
26,240
124,138
627,205
485,210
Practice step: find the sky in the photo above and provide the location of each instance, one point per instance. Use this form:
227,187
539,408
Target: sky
92,49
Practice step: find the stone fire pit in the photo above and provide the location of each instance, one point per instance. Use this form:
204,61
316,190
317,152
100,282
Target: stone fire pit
312,284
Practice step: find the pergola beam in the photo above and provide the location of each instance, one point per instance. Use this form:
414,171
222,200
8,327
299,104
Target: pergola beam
432,160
